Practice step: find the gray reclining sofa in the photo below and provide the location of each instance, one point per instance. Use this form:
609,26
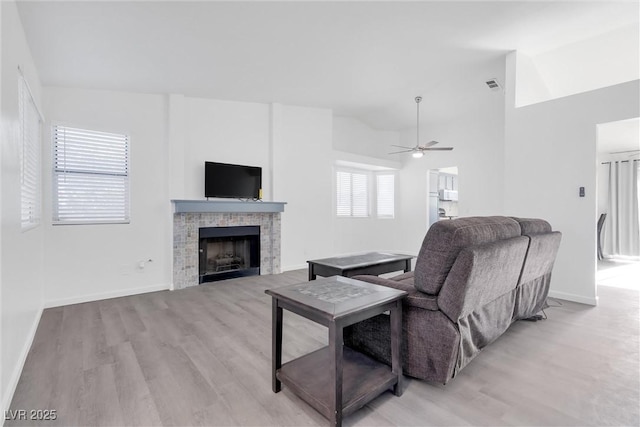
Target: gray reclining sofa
473,278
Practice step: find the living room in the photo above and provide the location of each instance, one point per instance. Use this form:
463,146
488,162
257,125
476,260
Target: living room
527,161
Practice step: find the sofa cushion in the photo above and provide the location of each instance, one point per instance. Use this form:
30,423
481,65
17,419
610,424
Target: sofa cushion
541,255
531,226
404,278
445,240
482,274
415,298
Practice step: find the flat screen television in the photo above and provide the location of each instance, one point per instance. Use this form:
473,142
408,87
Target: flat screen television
232,181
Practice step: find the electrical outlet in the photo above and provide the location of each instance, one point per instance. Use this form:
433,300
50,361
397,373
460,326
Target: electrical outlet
142,264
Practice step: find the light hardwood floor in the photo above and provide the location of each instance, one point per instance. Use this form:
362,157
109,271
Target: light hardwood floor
202,356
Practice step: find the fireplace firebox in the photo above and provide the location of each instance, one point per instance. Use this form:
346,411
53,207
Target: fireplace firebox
229,252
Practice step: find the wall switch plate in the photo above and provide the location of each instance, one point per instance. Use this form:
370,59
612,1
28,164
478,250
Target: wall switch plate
581,191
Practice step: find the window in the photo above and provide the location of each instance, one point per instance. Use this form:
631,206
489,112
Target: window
352,189
90,176
355,198
385,195
30,155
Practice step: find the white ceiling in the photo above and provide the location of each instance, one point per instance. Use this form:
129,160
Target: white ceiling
362,59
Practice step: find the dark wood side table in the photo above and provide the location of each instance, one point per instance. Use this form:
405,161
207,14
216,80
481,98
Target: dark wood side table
337,380
374,263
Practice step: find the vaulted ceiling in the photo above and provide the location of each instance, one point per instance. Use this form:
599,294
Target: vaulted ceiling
362,59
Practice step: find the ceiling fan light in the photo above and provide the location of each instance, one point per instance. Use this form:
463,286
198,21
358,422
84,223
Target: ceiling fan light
417,154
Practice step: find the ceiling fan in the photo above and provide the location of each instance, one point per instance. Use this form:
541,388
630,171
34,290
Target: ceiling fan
419,150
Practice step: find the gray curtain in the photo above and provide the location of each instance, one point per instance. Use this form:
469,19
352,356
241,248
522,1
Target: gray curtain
622,226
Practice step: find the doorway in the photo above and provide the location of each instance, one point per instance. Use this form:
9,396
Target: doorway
618,204
442,199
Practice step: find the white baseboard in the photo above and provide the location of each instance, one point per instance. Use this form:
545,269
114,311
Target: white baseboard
106,295
17,370
575,298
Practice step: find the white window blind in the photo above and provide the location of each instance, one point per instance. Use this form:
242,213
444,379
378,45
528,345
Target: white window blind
30,158
91,176
385,196
352,194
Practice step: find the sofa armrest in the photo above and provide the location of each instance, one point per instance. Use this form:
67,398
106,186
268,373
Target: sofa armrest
415,298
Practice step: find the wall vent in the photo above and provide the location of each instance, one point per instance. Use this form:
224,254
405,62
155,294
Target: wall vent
493,84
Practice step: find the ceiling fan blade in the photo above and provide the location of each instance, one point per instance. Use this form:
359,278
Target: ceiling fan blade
430,143
438,149
402,146
403,151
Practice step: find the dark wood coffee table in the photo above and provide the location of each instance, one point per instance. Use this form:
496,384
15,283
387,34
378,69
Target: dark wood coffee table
337,380
374,263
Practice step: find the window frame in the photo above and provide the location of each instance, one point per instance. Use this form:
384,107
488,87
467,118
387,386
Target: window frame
30,165
351,172
127,187
372,191
377,192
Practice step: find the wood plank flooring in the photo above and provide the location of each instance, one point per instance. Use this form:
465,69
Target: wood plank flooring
202,356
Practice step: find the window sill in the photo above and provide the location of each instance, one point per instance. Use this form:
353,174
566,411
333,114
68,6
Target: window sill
89,222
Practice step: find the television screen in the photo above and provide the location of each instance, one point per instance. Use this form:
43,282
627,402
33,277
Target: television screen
232,181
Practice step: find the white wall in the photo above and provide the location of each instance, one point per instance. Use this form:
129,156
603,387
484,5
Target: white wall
175,135
297,148
302,176
89,262
605,60
171,138
531,87
477,135
550,153
21,251
293,147
357,145
354,136
227,132
601,61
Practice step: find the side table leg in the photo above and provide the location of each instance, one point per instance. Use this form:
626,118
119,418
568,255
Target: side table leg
407,266
312,274
335,350
396,346
276,344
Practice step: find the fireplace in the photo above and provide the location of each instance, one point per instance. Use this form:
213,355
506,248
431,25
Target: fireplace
190,215
228,252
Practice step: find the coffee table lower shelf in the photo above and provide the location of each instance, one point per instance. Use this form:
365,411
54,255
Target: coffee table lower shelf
363,379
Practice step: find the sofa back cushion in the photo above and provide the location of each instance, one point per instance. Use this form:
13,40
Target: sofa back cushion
541,255
482,274
531,226
445,240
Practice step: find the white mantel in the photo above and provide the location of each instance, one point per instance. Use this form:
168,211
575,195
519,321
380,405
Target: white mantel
226,206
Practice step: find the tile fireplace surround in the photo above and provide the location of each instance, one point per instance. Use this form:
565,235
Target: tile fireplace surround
190,215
